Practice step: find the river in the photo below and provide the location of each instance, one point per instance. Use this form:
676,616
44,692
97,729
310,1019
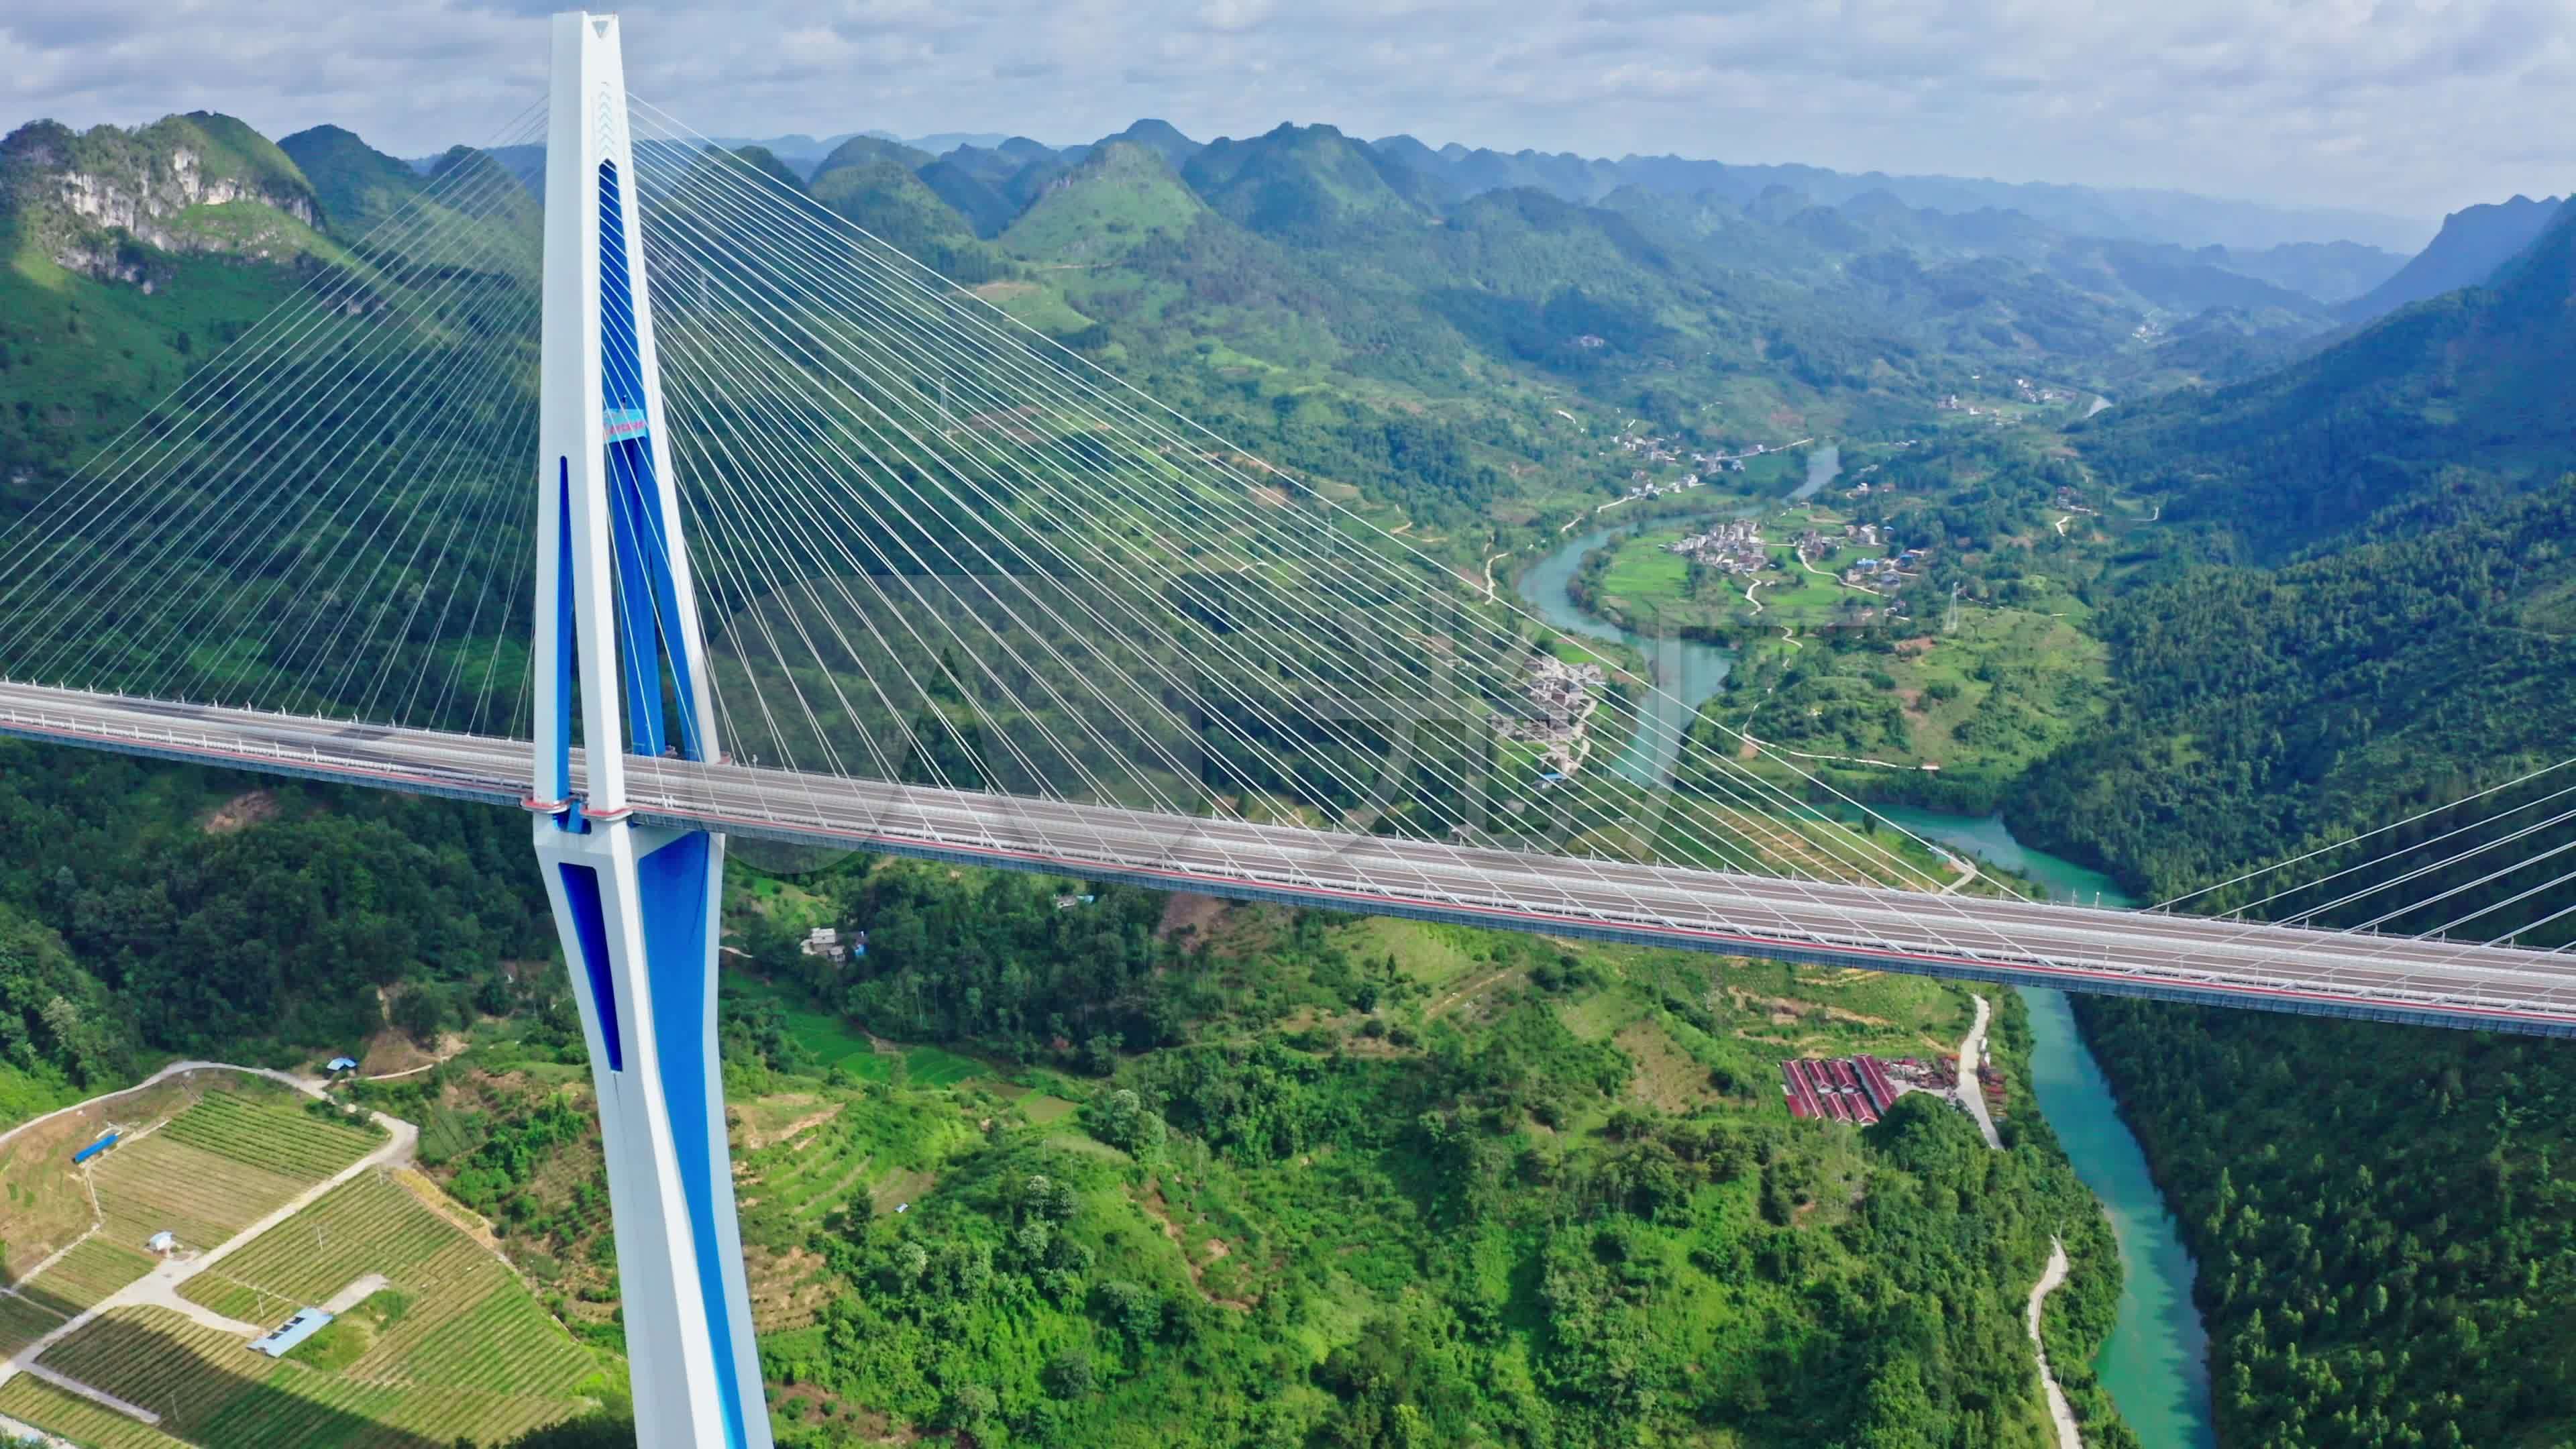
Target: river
2156,1361
1687,673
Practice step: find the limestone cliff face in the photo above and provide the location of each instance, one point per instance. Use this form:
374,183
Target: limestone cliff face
101,202
143,205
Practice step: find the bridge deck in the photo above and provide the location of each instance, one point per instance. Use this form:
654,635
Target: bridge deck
2183,958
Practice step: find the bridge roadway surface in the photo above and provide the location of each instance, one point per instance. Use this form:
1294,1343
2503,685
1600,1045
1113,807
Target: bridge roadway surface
2133,953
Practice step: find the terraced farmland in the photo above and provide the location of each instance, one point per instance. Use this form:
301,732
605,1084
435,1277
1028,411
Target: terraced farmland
90,1272
162,1183
23,1320
503,1343
156,1359
212,1390
471,1353
367,1225
34,1401
281,1136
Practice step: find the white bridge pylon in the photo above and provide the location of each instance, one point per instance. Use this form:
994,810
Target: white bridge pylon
618,643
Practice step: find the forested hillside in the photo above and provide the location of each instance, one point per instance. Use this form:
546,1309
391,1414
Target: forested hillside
1238,1176
2437,411
2377,1213
2262,712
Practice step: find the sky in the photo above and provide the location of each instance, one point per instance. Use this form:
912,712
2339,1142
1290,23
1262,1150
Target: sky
2409,108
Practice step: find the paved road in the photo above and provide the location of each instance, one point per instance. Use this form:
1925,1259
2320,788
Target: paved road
2060,1412
1972,1090
2021,942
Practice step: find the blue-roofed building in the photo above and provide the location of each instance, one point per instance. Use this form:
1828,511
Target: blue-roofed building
306,1323
338,1065
94,1149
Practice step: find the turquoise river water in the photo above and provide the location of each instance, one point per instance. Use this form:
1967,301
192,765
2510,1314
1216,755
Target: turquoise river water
2156,1361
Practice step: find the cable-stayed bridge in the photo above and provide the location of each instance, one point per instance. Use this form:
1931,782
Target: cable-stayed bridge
2176,957
825,548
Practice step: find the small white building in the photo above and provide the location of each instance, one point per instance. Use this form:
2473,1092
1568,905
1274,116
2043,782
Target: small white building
306,1323
163,1242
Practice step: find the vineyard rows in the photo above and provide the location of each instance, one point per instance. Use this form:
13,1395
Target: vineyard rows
33,1401
162,1183
366,1225
23,1321
283,1138
158,1360
505,1344
471,1355
90,1272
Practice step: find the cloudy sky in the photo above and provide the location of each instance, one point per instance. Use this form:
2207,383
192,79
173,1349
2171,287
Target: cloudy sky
2408,107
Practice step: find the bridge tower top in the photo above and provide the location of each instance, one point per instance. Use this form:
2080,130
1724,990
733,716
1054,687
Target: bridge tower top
617,618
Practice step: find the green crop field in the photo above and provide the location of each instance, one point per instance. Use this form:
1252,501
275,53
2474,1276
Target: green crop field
90,1272
157,1359
454,1347
282,1136
162,1183
368,1225
33,1401
23,1321
221,1165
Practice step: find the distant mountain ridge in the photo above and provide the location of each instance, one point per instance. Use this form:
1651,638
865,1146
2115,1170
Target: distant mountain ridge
2135,214
2473,242
2428,414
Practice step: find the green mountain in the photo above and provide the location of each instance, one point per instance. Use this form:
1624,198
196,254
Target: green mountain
1160,137
870,182
1305,183
127,257
986,210
357,185
860,150
1121,196
2329,272
768,163
2456,398
2472,244
2171,217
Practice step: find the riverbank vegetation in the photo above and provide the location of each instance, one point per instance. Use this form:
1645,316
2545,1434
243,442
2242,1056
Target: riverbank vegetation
2383,1248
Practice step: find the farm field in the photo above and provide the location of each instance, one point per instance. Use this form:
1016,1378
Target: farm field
24,1318
92,1425
203,1157
452,1345
90,1272
228,1160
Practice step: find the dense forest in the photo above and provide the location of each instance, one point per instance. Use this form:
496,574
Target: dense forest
153,910
2383,1247
1431,1229
2264,712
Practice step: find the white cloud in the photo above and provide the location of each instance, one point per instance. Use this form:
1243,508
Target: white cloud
2409,106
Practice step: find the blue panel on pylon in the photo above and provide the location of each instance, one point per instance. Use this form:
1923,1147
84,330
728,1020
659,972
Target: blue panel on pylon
673,884
648,598
590,927
567,639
